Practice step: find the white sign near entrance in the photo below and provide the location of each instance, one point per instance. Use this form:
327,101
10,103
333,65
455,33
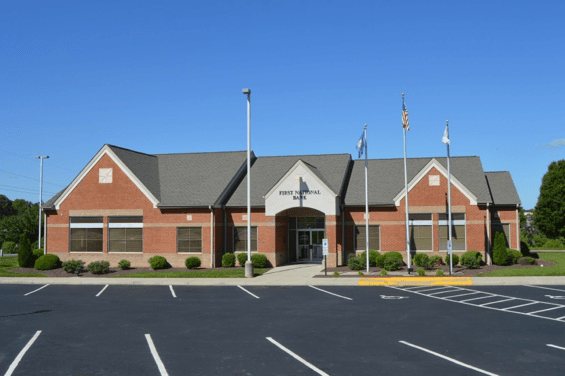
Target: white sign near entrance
325,247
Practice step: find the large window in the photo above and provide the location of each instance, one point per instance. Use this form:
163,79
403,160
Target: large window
240,239
189,239
125,234
421,233
457,231
86,234
505,229
360,238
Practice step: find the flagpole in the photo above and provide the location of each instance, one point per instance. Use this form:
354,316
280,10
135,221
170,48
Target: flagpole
406,192
450,243
366,203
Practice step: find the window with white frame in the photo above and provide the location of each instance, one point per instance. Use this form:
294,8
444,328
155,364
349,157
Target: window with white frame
458,231
125,234
240,239
86,234
360,237
421,232
189,239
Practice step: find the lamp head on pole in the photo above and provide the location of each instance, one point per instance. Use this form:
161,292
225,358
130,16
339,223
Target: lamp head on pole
247,91
42,156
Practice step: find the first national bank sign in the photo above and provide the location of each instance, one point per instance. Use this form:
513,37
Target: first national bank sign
300,187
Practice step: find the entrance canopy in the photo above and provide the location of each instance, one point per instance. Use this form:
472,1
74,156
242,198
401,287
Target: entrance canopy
302,186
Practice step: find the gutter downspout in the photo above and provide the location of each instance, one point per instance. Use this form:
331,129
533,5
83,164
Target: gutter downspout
342,236
518,228
44,234
225,247
489,259
212,255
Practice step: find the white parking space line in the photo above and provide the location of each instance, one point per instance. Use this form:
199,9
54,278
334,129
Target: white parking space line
250,293
414,287
160,364
436,288
454,296
482,297
543,310
172,291
331,293
518,306
445,292
101,291
450,359
557,347
309,365
498,301
42,287
547,288
21,354
560,318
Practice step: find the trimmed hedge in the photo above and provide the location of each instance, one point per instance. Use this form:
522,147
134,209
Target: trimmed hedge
72,265
228,260
25,255
513,255
242,258
99,267
392,263
192,262
471,259
124,264
499,254
396,255
526,261
9,247
47,262
259,260
455,259
357,262
157,262
422,260
373,256
421,271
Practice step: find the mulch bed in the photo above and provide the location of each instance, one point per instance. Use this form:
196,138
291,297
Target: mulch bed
112,273
460,271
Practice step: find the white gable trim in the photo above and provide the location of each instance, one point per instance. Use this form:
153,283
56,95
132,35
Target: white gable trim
424,171
290,171
106,151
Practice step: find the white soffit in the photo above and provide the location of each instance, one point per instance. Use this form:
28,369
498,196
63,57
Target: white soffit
424,171
106,151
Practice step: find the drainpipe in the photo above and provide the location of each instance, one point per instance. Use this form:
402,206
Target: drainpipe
44,234
518,247
342,236
212,261
489,259
225,247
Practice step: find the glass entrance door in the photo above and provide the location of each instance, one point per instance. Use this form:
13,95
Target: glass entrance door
310,245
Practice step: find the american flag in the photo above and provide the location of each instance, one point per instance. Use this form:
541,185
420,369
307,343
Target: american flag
405,123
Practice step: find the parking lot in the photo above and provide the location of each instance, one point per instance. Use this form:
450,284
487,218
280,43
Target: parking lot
253,330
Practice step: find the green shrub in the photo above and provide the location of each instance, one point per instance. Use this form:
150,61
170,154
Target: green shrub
25,256
259,261
47,262
553,244
526,261
421,271
396,255
228,260
422,260
34,245
524,249
8,247
357,263
384,273
539,240
392,263
471,259
373,255
499,254
158,262
73,265
455,259
242,258
192,262
435,260
336,274
513,255
37,253
99,267
124,264
380,260
360,273
439,272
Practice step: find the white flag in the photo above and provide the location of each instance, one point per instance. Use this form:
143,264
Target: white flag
361,144
445,138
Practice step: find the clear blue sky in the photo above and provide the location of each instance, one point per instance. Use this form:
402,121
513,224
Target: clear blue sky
166,77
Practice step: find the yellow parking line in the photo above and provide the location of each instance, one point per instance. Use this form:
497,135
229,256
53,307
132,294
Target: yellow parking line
416,281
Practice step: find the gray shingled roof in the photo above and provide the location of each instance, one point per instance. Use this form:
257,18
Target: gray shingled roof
267,171
144,167
502,188
386,178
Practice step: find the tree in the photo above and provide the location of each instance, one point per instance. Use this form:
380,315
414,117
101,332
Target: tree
25,256
549,213
6,208
499,253
26,221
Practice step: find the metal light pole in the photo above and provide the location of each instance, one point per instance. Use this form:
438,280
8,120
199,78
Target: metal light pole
248,263
41,158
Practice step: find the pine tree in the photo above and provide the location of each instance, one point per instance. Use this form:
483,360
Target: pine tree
499,253
25,255
549,213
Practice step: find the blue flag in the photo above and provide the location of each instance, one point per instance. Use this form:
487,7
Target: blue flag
361,144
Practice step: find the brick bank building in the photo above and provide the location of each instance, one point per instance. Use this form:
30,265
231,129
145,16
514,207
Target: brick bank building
130,205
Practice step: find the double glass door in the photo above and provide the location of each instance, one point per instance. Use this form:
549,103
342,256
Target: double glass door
310,245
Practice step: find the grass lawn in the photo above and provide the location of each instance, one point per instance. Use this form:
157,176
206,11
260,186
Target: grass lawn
235,273
9,263
556,270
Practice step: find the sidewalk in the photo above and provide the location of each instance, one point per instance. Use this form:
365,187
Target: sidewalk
293,275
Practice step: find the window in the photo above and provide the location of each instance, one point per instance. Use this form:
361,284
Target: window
360,237
421,238
457,231
240,239
125,234
504,228
311,222
189,240
86,234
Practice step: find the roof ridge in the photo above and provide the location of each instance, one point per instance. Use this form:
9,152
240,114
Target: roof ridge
204,152
392,159
303,155
133,151
495,172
